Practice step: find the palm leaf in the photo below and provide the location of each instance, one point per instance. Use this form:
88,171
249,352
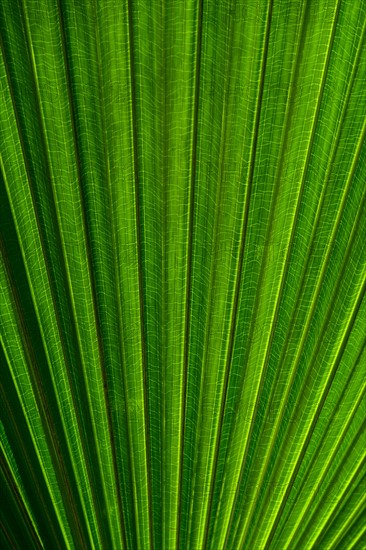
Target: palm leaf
183,273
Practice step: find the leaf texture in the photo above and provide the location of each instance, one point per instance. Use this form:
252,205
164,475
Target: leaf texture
183,274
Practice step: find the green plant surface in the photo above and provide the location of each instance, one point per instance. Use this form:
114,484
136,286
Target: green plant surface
183,274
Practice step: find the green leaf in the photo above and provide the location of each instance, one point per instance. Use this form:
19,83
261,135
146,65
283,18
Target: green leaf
183,274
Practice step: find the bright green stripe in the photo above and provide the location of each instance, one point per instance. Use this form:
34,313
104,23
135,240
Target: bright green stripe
11,465
226,482
231,270
223,275
268,275
16,184
280,399
320,488
83,45
50,75
148,22
29,464
16,523
334,273
317,380
18,364
329,441
212,64
182,35
338,488
351,509
127,398
341,413
356,536
206,189
123,174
